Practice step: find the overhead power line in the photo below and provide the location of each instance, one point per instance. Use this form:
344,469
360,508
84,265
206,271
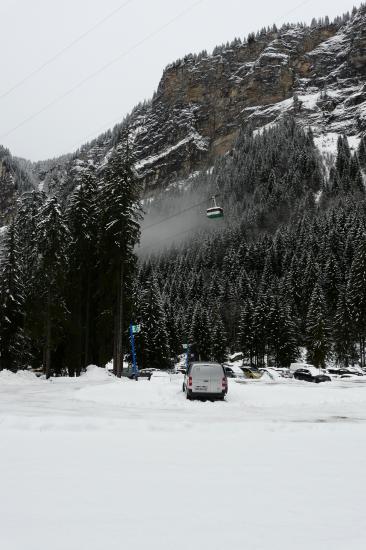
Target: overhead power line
103,68
292,10
64,50
96,133
175,215
107,124
172,237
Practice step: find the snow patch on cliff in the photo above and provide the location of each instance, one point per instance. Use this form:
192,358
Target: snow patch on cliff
327,143
194,137
332,46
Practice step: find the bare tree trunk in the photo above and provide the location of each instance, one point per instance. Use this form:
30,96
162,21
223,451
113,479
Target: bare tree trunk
87,324
79,358
115,344
361,359
120,325
48,336
361,351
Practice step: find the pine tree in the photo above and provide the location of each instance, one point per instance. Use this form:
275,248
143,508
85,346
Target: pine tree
355,175
83,224
153,341
361,153
281,333
26,221
246,334
261,326
332,279
119,214
356,295
317,330
343,159
52,238
200,335
218,337
14,346
343,331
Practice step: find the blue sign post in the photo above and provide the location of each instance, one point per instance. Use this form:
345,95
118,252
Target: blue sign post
133,350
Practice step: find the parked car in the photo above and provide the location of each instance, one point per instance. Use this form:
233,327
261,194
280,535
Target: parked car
233,371
297,366
252,373
309,375
205,380
236,357
180,370
342,372
143,373
271,372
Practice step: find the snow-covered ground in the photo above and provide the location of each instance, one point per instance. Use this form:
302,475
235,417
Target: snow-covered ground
95,462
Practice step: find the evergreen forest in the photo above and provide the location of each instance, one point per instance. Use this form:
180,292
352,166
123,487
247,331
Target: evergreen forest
285,270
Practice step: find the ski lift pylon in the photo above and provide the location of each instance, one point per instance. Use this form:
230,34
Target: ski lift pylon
215,211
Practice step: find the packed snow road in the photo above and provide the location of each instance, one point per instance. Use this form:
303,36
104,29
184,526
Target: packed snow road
95,463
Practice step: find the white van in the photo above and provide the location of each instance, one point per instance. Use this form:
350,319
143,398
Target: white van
205,380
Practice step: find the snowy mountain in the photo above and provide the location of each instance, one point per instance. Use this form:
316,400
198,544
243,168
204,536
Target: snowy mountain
316,73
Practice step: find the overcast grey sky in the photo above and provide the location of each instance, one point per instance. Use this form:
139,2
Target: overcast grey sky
145,35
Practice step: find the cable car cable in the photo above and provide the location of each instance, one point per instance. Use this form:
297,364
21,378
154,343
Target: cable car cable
102,68
64,49
174,215
181,212
177,234
78,145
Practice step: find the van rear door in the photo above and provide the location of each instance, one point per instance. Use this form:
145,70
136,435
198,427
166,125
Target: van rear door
207,378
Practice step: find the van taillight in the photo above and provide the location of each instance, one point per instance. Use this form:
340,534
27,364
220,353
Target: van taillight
190,381
224,383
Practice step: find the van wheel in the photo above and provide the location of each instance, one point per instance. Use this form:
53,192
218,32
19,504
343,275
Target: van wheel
184,388
188,395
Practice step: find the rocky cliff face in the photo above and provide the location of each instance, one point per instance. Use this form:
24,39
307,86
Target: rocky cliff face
316,73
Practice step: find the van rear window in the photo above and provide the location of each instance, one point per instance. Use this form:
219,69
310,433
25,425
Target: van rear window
207,370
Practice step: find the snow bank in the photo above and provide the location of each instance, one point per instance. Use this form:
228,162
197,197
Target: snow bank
21,377
161,378
143,394
93,372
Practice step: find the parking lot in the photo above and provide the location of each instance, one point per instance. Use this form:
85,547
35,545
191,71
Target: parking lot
277,465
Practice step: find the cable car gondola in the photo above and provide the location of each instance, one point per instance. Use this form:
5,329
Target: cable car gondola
215,211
